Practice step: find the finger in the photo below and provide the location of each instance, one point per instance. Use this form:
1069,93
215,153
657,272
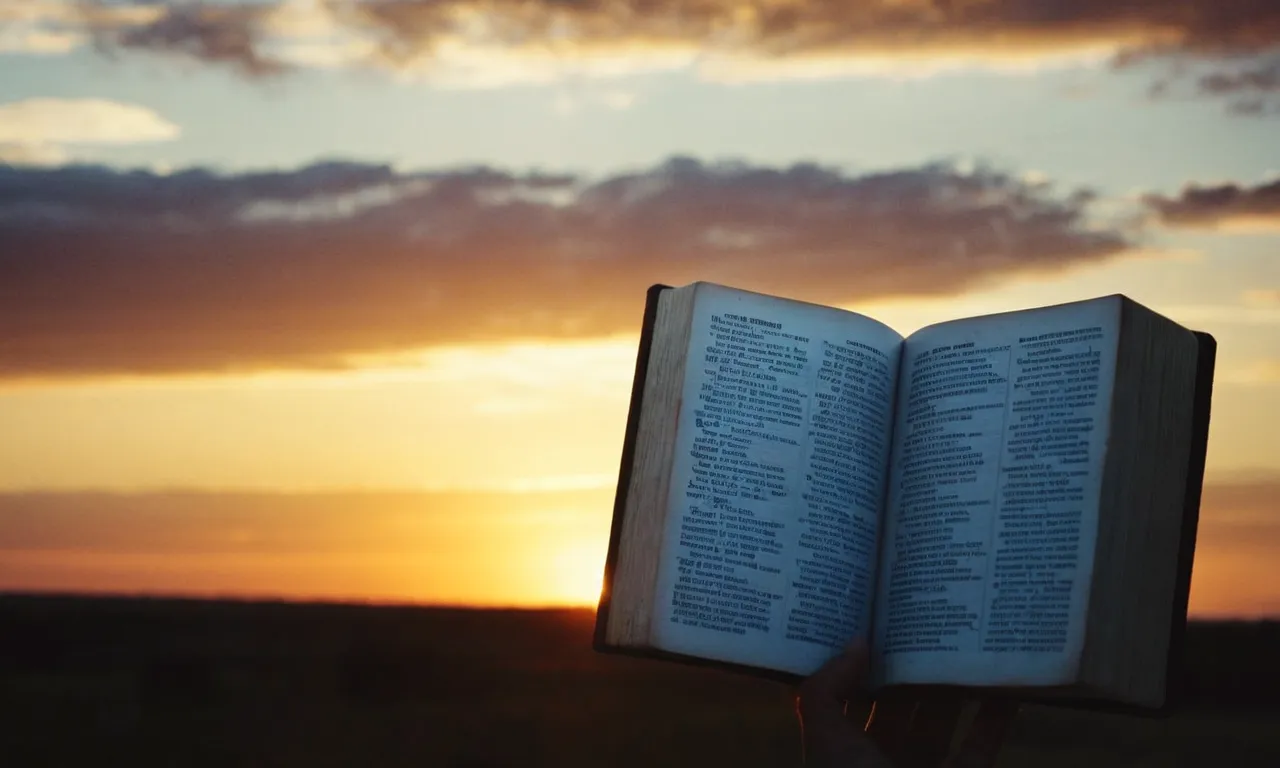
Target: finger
841,677
929,737
824,693
981,741
849,751
827,736
891,717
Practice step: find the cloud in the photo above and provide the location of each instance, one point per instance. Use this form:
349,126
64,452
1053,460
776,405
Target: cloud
216,34
1261,297
363,545
131,272
1236,548
1228,205
1255,373
568,102
1249,83
482,548
618,99
32,41
1223,314
92,121
1255,77
196,522
37,131
484,42
38,27
14,153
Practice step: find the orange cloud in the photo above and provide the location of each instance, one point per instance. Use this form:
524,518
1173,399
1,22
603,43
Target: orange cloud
481,42
487,548
1236,549
108,272
453,548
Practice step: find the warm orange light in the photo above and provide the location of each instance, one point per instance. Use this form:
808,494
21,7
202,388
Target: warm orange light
576,573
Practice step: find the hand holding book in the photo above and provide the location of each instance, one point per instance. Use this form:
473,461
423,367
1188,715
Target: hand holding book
900,731
831,738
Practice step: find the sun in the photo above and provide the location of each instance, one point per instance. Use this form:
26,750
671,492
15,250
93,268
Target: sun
576,573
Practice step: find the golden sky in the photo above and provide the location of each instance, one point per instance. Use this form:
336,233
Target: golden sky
470,474
339,301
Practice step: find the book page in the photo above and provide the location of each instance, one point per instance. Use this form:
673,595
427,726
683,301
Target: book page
992,517
781,463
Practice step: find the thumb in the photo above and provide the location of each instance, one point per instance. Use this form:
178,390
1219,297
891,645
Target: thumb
842,677
830,739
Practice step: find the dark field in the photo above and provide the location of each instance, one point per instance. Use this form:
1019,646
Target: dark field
143,683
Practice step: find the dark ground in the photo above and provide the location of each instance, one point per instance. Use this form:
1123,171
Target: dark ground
142,683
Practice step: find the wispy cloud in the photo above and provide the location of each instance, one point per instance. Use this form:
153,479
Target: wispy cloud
402,546
218,34
568,102
1248,80
1253,86
1220,206
112,272
1261,297
39,27
1254,373
32,154
1223,314
480,42
39,131
310,545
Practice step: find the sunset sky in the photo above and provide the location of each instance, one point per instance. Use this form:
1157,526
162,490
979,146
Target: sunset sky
339,299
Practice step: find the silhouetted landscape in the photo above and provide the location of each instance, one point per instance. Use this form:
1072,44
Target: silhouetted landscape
150,682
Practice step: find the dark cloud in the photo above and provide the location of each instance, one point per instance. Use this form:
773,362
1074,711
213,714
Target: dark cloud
1248,84
1261,77
105,272
409,27
1223,204
215,34
1251,89
876,26
1250,107
1244,502
400,32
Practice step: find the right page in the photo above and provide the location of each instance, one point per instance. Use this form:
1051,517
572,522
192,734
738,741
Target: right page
991,522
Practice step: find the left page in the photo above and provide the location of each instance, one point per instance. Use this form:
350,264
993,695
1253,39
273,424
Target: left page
781,460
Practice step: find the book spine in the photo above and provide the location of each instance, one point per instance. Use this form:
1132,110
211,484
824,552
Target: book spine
1205,361
628,460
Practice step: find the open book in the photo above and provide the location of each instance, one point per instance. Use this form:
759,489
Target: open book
998,501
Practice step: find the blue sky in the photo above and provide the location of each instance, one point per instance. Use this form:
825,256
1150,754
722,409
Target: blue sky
1079,124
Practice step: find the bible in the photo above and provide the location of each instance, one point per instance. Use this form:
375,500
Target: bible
998,502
